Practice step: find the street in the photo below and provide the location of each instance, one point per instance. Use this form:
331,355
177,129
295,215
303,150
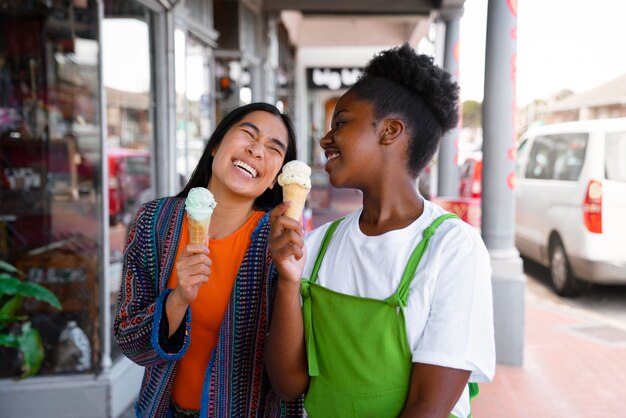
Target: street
603,302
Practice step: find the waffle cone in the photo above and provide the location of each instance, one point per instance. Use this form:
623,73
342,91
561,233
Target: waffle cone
199,230
297,196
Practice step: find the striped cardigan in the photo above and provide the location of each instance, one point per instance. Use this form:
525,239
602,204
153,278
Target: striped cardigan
236,384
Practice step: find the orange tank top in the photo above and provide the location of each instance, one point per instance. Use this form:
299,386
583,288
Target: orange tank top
207,311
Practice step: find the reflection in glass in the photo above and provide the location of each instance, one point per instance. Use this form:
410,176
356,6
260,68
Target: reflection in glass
126,67
49,210
193,105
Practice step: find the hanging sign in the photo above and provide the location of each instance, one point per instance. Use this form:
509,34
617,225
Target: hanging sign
332,78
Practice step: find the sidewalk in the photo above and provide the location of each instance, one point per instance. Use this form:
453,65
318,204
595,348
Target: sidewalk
574,366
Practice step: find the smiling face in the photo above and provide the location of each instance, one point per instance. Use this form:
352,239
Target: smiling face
352,145
249,157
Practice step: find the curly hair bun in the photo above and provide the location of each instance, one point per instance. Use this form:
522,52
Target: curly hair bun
419,74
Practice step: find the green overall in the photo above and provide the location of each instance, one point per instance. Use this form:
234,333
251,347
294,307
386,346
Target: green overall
357,348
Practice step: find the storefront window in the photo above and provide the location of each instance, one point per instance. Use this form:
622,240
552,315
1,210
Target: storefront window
127,76
193,104
50,216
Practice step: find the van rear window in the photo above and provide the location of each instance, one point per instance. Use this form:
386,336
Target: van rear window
557,157
616,156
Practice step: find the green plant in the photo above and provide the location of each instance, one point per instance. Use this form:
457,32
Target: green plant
16,330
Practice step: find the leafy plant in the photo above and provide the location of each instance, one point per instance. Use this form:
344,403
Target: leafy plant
16,330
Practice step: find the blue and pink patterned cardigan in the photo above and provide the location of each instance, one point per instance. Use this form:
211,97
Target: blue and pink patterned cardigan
236,384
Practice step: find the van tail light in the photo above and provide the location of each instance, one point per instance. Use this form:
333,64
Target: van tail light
592,207
475,188
477,179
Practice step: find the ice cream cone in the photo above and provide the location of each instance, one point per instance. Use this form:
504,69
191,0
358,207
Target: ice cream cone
198,230
297,196
199,205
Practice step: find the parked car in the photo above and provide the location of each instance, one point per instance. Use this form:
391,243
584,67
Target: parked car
129,180
471,177
571,202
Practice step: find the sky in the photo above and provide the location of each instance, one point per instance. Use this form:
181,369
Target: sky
561,44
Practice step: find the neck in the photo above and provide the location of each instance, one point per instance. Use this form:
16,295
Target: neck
230,214
390,207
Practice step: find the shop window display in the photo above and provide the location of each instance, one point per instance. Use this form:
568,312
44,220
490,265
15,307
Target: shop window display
49,227
51,188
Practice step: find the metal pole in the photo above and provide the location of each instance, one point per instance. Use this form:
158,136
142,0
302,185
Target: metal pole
498,181
103,289
448,170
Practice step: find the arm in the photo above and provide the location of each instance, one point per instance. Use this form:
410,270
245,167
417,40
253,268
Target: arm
457,340
285,355
141,311
434,390
138,300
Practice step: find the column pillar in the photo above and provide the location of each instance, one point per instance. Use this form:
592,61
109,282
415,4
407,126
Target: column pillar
447,163
498,181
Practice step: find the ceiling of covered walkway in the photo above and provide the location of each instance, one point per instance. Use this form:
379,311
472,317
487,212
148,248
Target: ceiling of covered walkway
319,23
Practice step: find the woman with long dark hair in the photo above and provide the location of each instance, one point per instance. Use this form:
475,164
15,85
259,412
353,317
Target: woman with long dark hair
195,315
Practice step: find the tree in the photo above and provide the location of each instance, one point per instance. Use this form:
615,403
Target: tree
472,114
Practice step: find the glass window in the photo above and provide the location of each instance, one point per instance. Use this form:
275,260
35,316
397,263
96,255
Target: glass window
569,155
127,74
616,156
539,162
49,189
193,104
520,158
557,157
228,74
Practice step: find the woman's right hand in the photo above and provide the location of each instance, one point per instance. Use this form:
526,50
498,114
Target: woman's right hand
286,244
193,269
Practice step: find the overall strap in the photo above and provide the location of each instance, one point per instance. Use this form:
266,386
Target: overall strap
400,297
320,255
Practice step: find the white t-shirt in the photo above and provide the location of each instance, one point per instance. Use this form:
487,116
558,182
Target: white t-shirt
449,315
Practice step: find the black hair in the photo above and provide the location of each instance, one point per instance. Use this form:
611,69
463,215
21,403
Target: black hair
202,173
402,83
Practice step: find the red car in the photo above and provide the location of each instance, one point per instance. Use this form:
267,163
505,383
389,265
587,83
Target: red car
471,177
129,176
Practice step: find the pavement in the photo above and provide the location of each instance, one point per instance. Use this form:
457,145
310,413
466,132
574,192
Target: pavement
574,361
574,366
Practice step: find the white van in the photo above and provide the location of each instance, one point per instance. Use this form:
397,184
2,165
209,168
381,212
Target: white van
571,202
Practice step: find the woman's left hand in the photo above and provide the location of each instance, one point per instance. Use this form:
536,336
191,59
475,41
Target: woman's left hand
286,244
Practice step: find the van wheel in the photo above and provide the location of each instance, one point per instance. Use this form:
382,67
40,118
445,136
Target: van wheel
563,280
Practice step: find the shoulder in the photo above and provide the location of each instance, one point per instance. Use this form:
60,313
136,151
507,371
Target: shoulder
159,212
163,204
452,228
455,241
262,229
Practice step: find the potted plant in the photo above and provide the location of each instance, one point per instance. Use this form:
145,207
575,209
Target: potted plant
16,330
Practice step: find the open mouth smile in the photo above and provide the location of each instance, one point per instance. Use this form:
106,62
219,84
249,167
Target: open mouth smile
331,155
246,169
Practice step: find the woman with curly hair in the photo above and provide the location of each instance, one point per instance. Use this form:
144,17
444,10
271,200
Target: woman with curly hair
390,314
